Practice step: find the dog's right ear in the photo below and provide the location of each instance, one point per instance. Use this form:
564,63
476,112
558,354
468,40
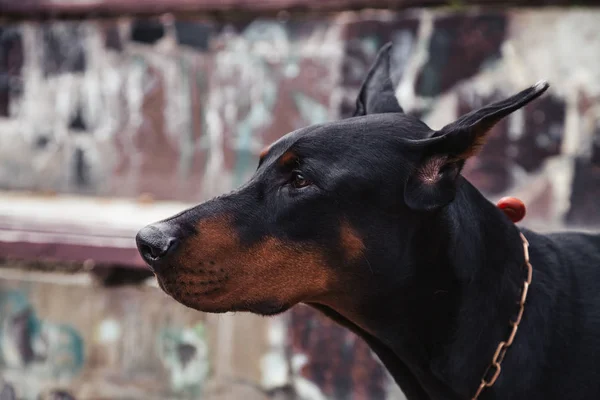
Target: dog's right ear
434,181
377,93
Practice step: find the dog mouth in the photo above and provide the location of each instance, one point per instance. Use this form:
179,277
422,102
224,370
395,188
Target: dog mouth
178,288
214,293
266,308
191,286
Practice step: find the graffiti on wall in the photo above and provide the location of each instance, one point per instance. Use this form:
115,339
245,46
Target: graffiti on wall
36,347
184,353
106,348
334,359
149,107
54,350
180,109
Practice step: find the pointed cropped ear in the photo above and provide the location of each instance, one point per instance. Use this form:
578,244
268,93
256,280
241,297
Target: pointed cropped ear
377,93
433,182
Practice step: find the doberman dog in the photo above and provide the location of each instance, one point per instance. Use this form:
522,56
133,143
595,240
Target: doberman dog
370,221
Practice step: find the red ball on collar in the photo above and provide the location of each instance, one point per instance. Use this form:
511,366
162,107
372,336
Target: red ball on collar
512,207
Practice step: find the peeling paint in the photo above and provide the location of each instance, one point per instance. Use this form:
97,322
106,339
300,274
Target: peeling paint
185,354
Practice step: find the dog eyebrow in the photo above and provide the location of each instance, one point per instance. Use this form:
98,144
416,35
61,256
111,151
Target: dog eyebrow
287,158
263,155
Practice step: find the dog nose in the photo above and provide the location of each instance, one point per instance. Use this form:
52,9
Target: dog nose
155,244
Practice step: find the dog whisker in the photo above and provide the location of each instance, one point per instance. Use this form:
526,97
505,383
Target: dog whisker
369,264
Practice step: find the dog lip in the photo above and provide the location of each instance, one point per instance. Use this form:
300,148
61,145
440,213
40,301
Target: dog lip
211,292
180,289
205,301
162,285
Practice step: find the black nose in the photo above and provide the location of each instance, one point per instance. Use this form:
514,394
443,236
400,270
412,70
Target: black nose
155,243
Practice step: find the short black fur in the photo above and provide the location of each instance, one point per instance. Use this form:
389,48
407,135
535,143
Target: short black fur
437,282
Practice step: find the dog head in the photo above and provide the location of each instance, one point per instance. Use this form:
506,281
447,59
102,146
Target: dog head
330,209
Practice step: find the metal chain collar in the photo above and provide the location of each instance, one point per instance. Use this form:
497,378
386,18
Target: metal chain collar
493,370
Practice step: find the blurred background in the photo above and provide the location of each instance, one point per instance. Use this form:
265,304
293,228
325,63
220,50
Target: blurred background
117,113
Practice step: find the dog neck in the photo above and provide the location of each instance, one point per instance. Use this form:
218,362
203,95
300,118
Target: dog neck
442,327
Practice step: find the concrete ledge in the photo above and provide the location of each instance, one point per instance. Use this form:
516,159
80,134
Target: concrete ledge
69,228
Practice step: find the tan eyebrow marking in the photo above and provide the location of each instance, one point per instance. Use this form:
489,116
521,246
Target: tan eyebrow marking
287,158
263,152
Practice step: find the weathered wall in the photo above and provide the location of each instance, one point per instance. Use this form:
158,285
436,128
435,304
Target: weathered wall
63,332
179,109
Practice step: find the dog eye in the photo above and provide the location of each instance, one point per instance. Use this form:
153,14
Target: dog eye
298,180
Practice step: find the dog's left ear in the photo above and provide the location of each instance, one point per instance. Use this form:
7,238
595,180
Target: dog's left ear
433,181
377,93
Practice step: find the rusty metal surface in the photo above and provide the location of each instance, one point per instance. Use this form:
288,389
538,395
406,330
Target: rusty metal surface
51,8
25,9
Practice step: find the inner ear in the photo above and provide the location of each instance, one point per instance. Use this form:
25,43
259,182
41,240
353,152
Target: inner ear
433,184
377,93
433,181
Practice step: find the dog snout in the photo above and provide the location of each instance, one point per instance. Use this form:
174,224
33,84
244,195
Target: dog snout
156,243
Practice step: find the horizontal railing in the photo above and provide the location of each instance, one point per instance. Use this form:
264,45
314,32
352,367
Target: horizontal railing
79,229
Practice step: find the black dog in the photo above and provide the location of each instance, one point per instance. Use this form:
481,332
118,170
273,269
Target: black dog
369,220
